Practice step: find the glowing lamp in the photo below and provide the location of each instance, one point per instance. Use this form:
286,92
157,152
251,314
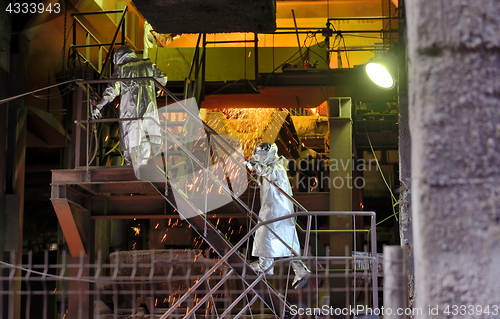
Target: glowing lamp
383,71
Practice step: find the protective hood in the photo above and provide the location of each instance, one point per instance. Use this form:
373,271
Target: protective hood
266,153
124,54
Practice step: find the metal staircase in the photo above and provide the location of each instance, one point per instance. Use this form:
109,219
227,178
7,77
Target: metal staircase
198,147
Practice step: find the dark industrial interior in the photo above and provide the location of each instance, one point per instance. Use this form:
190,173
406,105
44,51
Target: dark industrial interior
289,72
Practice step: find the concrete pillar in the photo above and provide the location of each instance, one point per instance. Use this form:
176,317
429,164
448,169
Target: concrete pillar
454,98
394,281
405,211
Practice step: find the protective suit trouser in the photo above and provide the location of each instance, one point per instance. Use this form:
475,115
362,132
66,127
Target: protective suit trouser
302,273
138,156
300,269
262,265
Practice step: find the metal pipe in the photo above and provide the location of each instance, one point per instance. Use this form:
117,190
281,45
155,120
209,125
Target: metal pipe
114,120
349,50
78,128
91,45
83,58
74,32
203,70
229,41
243,294
95,12
34,91
123,32
373,226
247,306
209,294
341,31
131,216
256,57
298,39
195,56
308,234
360,18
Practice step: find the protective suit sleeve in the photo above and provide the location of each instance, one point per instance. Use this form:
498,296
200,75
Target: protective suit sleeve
111,92
266,171
159,75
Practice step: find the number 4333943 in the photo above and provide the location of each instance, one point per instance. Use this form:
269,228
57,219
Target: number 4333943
33,8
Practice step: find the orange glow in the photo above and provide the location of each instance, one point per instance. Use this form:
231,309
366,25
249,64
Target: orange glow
137,230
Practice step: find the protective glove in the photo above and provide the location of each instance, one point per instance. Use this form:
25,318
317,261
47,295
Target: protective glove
96,114
250,164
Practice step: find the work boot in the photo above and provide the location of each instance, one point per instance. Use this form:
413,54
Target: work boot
302,273
262,265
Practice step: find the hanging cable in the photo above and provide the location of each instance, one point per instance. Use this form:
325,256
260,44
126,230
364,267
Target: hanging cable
345,51
394,201
65,67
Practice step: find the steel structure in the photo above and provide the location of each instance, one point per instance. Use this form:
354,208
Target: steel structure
73,188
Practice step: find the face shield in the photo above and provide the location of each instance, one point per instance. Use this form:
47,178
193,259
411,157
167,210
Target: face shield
265,153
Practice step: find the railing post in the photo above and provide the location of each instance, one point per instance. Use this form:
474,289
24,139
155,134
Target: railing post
124,41
256,57
203,69
99,59
373,239
78,125
74,40
74,31
87,49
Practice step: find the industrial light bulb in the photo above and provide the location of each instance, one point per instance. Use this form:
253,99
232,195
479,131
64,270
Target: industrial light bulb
379,75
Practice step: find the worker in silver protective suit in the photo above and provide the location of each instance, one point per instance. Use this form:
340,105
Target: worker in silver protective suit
271,167
139,139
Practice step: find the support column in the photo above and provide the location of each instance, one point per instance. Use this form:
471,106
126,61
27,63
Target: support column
405,213
5,38
80,305
15,165
340,172
454,98
340,184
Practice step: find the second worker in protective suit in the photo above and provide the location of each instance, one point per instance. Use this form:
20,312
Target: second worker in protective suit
271,167
140,139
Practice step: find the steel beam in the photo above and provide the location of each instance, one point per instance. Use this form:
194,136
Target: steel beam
340,192
68,226
66,201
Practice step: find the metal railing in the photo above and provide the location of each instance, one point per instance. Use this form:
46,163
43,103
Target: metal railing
195,81
102,66
140,285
